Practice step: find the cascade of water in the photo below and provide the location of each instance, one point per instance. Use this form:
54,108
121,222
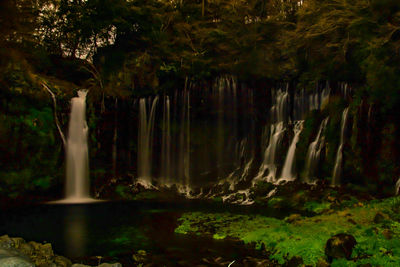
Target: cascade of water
337,170
288,173
186,159
276,135
77,188
314,152
145,141
183,150
166,144
397,187
279,114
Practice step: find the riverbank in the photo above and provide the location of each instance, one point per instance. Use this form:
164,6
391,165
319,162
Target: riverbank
363,234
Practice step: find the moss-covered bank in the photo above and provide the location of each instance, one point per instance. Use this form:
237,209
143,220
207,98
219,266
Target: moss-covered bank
374,224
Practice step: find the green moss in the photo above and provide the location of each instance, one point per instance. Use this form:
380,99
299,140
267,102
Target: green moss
317,207
307,236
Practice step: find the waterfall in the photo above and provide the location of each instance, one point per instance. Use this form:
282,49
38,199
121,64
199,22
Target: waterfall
288,168
314,152
338,169
166,144
186,144
145,141
397,187
77,188
279,113
275,140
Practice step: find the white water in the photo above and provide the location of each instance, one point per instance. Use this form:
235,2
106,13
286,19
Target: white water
288,173
270,154
77,186
314,152
278,115
166,144
338,169
145,142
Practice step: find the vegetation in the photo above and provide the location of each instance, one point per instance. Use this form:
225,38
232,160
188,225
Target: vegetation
377,239
120,49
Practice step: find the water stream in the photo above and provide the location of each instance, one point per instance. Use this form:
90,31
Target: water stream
77,166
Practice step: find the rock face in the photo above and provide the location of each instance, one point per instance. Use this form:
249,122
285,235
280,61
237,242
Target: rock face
340,246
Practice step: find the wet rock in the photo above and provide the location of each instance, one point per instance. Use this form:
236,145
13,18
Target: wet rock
340,246
80,265
387,234
6,242
15,262
322,263
110,265
18,241
380,217
27,249
352,221
61,261
295,261
140,256
293,218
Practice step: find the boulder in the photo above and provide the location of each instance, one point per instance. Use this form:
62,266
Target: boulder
110,265
6,242
293,218
340,246
295,261
322,263
15,262
62,261
380,217
387,234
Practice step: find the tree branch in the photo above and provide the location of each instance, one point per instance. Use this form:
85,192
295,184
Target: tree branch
53,96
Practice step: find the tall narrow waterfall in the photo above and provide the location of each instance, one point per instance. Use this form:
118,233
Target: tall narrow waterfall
314,152
77,187
145,141
338,169
288,173
166,143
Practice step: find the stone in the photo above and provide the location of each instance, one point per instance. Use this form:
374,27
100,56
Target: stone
80,265
322,263
15,262
62,261
140,256
46,249
110,265
26,248
340,246
18,241
293,218
380,217
295,261
387,234
6,242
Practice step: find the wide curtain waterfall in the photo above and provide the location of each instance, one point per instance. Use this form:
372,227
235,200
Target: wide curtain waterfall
221,137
